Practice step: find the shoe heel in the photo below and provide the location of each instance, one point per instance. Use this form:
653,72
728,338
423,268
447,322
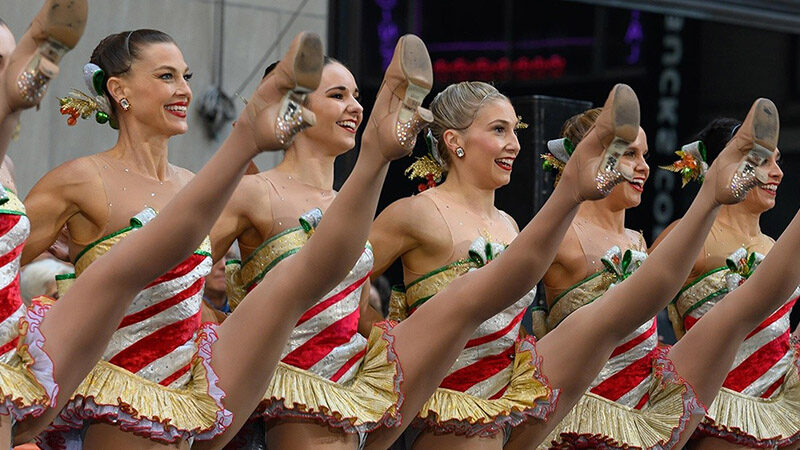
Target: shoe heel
407,131
308,62
40,70
292,117
765,128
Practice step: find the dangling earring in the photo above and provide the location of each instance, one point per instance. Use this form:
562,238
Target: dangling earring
459,152
124,103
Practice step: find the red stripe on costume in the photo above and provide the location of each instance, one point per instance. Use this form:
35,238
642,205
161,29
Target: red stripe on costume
322,343
643,401
10,256
756,364
499,393
777,315
157,344
177,374
635,341
8,346
163,305
325,304
180,270
10,299
466,377
7,222
770,390
626,379
497,334
350,362
689,322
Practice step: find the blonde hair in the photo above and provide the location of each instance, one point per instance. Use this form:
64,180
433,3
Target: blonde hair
456,107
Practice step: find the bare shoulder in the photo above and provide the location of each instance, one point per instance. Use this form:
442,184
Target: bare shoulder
70,177
510,219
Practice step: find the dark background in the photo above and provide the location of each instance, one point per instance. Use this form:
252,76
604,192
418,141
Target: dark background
689,62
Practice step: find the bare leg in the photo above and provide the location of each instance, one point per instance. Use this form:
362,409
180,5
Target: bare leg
710,443
293,286
431,441
296,434
101,435
99,299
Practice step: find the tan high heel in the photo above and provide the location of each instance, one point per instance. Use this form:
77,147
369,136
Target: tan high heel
408,79
54,31
275,112
614,130
757,139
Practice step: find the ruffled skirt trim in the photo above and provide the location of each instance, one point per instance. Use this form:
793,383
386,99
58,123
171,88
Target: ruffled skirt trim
114,395
529,395
757,422
596,422
26,381
372,399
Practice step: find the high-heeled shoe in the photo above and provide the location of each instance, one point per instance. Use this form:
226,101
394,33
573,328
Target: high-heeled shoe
614,130
752,145
275,112
397,116
54,31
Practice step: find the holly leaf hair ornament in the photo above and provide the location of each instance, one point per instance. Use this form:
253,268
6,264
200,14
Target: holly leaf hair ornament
95,103
556,159
429,167
692,164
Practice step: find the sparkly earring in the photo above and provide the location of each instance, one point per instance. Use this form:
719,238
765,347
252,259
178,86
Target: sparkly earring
459,152
124,103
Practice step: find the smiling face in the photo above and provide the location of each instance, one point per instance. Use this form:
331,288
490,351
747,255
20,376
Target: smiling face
490,145
337,110
762,198
157,88
629,194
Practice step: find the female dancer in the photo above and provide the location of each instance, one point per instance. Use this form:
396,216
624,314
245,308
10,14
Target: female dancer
210,391
637,399
25,71
443,233
324,383
759,402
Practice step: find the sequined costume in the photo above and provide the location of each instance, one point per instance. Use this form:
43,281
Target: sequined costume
155,378
637,400
759,402
328,372
497,379
26,372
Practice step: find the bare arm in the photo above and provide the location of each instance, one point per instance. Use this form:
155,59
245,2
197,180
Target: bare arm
55,199
236,218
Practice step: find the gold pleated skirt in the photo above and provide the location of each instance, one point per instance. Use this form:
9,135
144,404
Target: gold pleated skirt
596,422
370,400
754,421
528,395
114,395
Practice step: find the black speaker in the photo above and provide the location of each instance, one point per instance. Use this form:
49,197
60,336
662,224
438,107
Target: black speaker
530,184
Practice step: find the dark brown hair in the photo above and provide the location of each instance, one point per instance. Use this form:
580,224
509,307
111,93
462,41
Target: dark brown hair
116,53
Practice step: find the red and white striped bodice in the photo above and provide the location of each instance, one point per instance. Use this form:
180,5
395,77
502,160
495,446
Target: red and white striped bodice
625,376
485,366
766,354
14,230
156,338
325,341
